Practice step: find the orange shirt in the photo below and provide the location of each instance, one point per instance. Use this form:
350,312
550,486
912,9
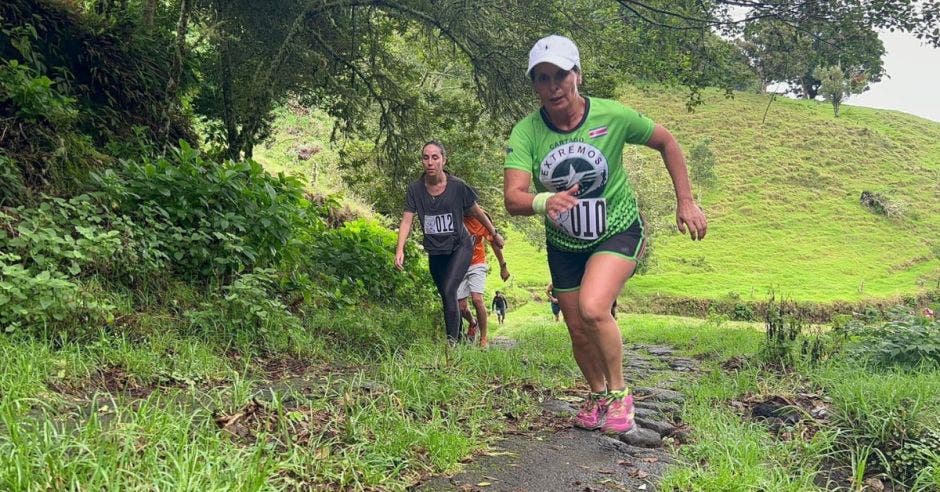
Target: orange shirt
479,232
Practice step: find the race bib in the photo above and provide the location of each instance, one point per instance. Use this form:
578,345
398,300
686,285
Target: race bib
439,224
586,221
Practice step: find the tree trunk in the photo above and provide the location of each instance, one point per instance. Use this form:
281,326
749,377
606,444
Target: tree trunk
806,88
228,103
150,11
176,70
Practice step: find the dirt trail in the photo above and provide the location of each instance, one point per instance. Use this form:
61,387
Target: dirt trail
569,459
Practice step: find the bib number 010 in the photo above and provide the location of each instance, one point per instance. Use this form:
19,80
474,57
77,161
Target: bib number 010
587,220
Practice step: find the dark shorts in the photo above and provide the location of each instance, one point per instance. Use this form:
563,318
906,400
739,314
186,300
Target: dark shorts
567,268
556,308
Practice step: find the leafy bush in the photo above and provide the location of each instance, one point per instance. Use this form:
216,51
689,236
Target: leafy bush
906,340
81,237
702,164
45,303
917,456
217,219
248,314
356,262
783,327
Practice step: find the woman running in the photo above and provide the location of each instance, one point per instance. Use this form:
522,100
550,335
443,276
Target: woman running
572,146
441,200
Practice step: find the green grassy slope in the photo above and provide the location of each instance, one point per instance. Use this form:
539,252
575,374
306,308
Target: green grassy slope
786,212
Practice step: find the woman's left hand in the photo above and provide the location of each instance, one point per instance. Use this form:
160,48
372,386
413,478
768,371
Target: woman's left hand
690,217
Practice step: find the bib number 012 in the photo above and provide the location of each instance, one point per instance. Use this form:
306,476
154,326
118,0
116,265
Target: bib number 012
439,224
587,220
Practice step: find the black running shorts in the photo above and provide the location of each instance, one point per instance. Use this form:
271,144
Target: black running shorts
567,268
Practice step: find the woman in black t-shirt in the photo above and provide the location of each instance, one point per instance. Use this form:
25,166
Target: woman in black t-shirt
441,200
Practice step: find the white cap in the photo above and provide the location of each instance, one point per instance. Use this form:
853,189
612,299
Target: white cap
557,50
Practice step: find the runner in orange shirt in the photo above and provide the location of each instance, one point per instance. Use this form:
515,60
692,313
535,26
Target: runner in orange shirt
475,279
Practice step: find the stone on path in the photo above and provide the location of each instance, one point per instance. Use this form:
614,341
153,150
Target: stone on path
657,406
640,437
559,408
659,394
617,445
646,413
658,426
658,351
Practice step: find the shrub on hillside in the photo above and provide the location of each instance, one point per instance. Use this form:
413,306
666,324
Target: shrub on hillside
356,262
80,237
117,72
39,134
46,303
52,252
216,219
906,340
783,327
702,165
247,314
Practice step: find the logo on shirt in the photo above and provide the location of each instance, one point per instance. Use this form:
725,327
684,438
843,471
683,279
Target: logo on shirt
597,132
575,163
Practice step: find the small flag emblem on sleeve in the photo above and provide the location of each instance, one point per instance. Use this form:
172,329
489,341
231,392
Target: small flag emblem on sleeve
597,132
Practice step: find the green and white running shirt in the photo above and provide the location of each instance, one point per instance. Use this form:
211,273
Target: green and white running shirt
590,155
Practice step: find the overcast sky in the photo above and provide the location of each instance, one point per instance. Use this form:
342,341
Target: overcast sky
914,86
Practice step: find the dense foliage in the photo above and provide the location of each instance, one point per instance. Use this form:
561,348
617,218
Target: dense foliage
251,239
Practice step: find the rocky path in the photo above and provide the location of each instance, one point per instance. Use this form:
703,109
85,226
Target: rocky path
563,458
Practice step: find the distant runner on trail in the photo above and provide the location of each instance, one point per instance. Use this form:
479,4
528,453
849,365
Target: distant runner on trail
475,280
441,201
550,290
571,149
500,305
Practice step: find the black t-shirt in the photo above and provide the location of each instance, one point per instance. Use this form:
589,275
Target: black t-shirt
441,216
499,302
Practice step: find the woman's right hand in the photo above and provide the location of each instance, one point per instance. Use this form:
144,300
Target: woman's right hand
561,202
400,260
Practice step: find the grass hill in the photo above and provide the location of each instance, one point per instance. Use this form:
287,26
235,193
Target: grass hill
784,213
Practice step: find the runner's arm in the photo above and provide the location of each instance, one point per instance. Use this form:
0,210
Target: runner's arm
516,194
404,229
519,201
503,269
688,215
476,212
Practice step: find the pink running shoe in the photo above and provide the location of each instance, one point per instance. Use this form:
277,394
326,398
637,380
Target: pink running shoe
619,415
591,415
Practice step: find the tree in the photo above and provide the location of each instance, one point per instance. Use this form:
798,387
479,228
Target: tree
837,85
800,35
790,54
343,56
776,51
